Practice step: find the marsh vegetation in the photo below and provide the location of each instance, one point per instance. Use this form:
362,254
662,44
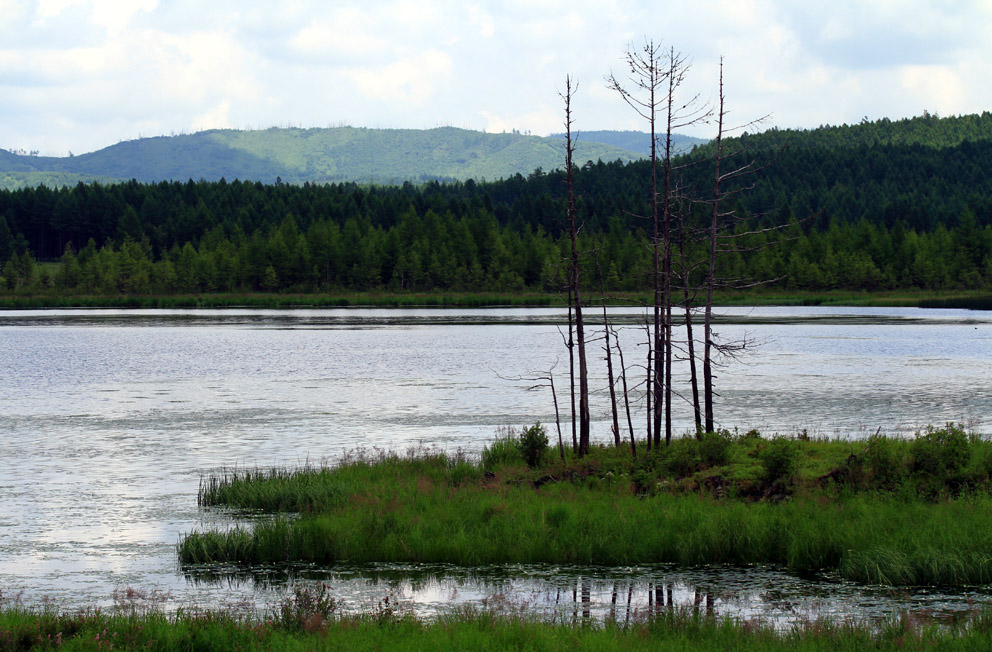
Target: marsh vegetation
884,511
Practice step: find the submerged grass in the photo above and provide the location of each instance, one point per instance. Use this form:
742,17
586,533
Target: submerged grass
678,629
809,506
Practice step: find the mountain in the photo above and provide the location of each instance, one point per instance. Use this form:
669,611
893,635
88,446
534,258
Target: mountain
314,155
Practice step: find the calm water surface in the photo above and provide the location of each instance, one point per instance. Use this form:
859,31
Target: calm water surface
108,418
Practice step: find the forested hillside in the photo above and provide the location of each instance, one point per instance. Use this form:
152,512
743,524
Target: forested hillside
869,207
307,155
633,141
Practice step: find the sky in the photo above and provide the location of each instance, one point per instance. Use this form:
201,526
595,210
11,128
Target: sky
80,75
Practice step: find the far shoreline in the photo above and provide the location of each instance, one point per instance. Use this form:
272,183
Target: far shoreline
966,299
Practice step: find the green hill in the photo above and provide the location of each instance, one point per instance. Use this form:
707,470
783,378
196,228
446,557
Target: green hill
314,155
927,130
636,141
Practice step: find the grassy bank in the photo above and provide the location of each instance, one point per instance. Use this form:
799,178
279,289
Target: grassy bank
886,511
320,629
912,298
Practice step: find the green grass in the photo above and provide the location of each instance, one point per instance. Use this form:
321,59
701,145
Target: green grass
382,629
873,512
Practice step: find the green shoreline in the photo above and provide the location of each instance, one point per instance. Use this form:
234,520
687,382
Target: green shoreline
906,298
311,627
885,511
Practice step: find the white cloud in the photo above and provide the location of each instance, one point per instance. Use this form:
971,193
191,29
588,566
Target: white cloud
198,66
216,118
941,84
116,15
542,121
81,74
484,22
52,8
411,80
343,35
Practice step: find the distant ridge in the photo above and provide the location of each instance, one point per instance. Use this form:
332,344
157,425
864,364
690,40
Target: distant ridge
635,141
315,155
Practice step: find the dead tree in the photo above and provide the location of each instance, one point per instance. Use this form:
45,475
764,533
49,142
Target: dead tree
626,396
571,365
650,71
641,92
715,236
679,115
584,420
711,276
609,374
688,297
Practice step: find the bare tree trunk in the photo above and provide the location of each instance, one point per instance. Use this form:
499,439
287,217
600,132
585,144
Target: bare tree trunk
609,376
571,370
658,345
711,276
649,392
573,231
626,397
667,266
687,302
554,397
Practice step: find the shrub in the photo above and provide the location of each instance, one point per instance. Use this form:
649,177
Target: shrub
714,447
980,469
750,435
681,457
883,461
779,458
941,452
643,482
504,450
533,444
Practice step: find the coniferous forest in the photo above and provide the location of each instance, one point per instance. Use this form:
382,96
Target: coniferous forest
880,205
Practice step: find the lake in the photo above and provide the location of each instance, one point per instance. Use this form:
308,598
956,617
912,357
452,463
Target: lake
108,418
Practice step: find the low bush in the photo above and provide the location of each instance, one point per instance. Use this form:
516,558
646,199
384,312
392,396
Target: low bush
681,457
503,451
779,458
884,462
941,452
533,445
714,448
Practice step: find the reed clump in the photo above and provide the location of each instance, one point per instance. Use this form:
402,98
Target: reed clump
884,511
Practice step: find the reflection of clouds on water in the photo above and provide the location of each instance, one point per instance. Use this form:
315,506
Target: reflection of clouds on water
109,416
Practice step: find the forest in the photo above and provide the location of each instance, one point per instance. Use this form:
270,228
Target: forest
879,205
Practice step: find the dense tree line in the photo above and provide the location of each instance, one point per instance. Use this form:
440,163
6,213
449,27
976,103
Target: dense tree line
873,210
475,253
